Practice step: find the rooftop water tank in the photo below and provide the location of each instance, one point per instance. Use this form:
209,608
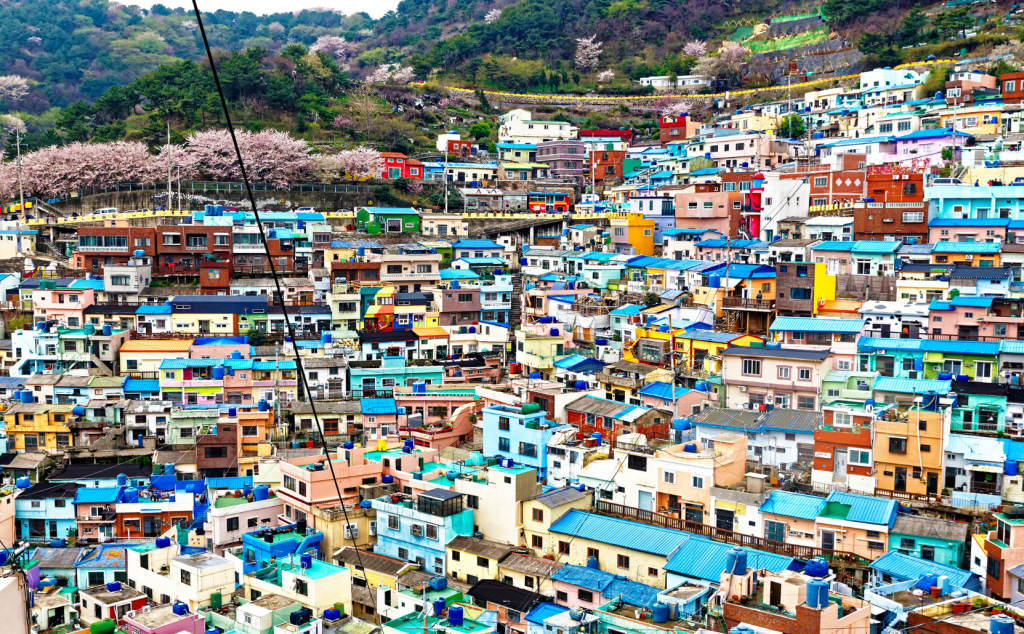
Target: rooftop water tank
690,448
26,397
593,563
455,616
263,406
388,479
736,561
1001,624
163,542
305,560
816,567
597,438
107,330
114,586
817,593
260,493
23,483
122,480
78,410
439,606
438,583
180,609
660,611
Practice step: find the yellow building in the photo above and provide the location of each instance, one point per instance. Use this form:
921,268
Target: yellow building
529,573
633,234
754,121
623,380
34,427
377,570
145,355
976,120
471,559
983,254
546,509
338,534
908,452
538,351
700,350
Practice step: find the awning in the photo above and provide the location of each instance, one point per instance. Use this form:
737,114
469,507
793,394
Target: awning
984,468
740,509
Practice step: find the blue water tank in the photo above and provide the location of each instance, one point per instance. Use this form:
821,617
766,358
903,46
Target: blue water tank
817,593
660,613
945,376
451,475
407,449
702,386
597,438
163,542
454,284
455,616
232,412
114,586
714,282
816,567
107,330
180,609
962,377
682,424
690,448
736,561
122,480
926,582
1001,624
260,493
3,557
580,385
305,560
523,261
534,376
236,354
295,444
510,463
139,253
332,614
212,630
439,606
1010,468
131,495
349,445
78,410
169,468
601,342
366,504
472,330
57,543
26,397
218,373
905,508
263,405
565,232
438,583
593,563
16,396
326,338
89,328
388,479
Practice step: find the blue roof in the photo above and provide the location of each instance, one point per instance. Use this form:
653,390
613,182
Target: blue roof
98,495
911,386
746,271
458,274
1013,450
105,556
701,558
707,171
579,363
970,222
581,227
181,364
876,246
817,324
792,504
628,310
618,532
141,385
966,247
721,243
883,343
355,244
662,390
862,140
961,347
931,134
485,261
544,611
869,510
689,232
834,245
906,568
1011,346
977,448
971,302
391,211
477,244
379,406
93,284
608,584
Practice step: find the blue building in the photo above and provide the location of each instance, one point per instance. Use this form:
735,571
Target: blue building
894,567
259,547
959,203
521,434
102,564
46,511
477,249
420,531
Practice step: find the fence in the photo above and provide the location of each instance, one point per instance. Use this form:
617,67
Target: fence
207,186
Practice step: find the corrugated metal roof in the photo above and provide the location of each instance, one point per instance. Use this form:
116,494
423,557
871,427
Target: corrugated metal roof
966,247
906,568
97,495
662,390
791,420
618,532
961,347
379,406
881,343
911,386
922,526
558,497
833,245
104,556
1013,450
701,558
789,504
976,448
544,611
866,509
739,419
876,246
817,324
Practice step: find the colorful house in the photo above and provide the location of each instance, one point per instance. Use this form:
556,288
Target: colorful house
376,220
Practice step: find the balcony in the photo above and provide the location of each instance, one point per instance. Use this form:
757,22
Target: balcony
98,249
741,303
619,381
197,247
496,305
249,248
410,276
934,337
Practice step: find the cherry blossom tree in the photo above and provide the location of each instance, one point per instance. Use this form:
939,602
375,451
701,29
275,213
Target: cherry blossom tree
587,52
605,76
334,46
695,48
56,170
359,162
270,156
675,108
276,28
380,75
13,88
403,75
492,16
340,121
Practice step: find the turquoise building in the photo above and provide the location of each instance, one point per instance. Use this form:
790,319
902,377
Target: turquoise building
929,539
385,374
420,530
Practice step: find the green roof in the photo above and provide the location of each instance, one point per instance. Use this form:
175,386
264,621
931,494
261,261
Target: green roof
413,624
225,501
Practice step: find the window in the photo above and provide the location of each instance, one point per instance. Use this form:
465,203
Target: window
301,586
232,524
669,477
186,577
563,548
783,372
698,482
393,522
503,444
752,367
538,515
821,181
994,568
805,402
585,595
913,216
637,463
172,239
897,445
483,562
622,561
860,457
538,541
561,596
805,374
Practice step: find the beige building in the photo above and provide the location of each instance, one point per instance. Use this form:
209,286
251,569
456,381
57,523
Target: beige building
471,559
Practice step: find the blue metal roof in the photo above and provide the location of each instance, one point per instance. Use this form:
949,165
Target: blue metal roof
680,232
931,134
477,244
608,584
181,364
882,343
700,558
106,556
662,390
876,246
869,510
378,406
618,532
721,243
459,274
628,310
544,611
970,222
971,302
906,568
977,448
961,347
141,385
579,363
791,504
98,495
707,171
1013,450
966,247
834,245
816,324
394,211
911,386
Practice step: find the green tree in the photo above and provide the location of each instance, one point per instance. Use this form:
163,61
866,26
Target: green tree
954,21
792,127
651,299
256,337
910,30
480,130
76,121
481,96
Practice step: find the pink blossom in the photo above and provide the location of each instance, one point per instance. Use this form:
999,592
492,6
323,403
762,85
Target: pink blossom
695,49
334,46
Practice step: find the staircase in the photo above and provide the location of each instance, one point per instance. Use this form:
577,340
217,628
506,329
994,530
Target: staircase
48,248
101,365
516,311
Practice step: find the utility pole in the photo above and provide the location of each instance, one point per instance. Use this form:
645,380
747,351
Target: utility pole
169,192
21,189
179,188
672,361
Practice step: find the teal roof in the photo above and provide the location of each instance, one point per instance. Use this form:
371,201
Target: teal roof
966,247
458,274
791,504
873,246
833,245
392,211
906,568
701,558
869,510
882,343
817,324
911,386
618,532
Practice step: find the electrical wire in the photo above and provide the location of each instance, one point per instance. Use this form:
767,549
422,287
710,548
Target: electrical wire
277,284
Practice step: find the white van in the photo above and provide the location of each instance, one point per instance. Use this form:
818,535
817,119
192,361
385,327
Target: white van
106,211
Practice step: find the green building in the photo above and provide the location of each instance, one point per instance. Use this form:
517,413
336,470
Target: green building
929,538
853,387
375,220
980,407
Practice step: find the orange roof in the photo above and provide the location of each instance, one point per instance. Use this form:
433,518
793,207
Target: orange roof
430,332
840,306
157,345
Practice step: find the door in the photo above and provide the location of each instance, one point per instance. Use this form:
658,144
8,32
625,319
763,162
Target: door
204,326
983,371
828,540
724,519
151,526
775,594
842,459
933,484
900,481
645,501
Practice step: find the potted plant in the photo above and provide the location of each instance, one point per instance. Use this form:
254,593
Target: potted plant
997,609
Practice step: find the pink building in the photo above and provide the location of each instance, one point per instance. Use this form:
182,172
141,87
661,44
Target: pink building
967,230
219,348
229,518
707,206
66,306
972,317
658,395
162,620
445,409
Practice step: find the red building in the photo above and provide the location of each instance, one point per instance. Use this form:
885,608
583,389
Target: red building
671,129
611,419
181,248
840,440
625,135
847,184
607,164
460,148
541,202
1013,87
398,165
99,246
897,209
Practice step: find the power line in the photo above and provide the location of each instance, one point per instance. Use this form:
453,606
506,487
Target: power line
277,284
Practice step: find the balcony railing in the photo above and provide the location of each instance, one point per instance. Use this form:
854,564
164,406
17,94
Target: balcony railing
99,249
933,336
260,248
748,304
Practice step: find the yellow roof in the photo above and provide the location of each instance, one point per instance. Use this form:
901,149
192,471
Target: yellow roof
430,332
980,539
157,345
660,308
840,306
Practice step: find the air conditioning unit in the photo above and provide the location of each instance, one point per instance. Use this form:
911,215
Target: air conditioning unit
913,375
895,177
352,531
743,388
373,527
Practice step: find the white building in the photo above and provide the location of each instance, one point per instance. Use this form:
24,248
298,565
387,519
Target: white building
694,82
192,579
839,228
566,456
518,126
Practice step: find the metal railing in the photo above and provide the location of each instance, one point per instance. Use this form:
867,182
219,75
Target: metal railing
753,304
878,334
